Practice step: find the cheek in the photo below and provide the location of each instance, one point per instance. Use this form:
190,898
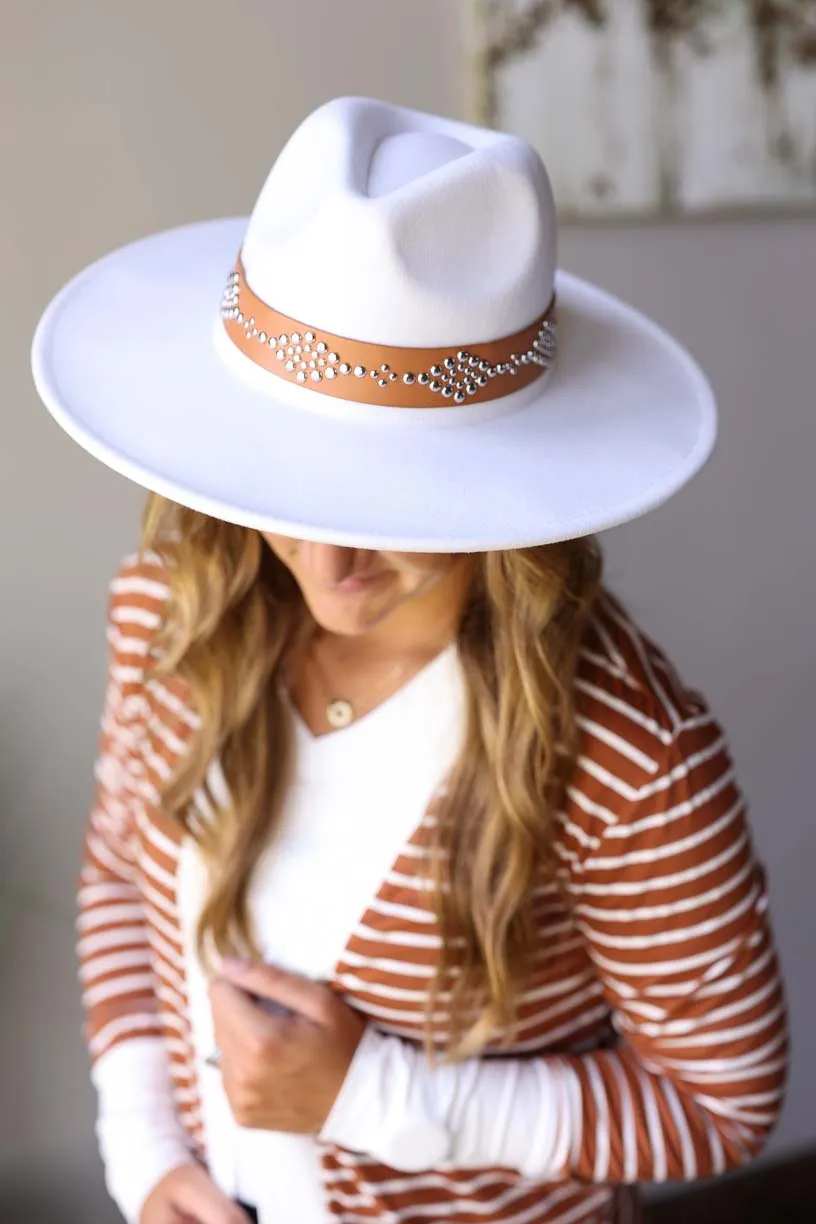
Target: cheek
427,567
284,547
415,579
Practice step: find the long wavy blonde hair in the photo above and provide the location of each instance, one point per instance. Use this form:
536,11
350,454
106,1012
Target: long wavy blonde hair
235,612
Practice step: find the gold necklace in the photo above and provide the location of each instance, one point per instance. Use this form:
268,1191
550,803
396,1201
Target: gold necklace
340,711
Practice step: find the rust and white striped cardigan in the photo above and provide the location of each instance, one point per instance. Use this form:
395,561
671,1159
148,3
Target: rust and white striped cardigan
656,992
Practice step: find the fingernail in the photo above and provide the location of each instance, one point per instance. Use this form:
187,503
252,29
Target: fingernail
234,964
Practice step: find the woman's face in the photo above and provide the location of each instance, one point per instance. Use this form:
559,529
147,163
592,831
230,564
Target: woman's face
350,591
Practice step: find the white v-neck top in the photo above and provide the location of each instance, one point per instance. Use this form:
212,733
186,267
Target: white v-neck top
356,799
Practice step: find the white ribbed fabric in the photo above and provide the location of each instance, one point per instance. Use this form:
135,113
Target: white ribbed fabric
136,1114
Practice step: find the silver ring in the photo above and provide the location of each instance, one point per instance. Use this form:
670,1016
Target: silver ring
214,1059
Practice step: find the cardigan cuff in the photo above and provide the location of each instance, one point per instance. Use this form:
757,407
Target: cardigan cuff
140,1136
385,1107
478,1113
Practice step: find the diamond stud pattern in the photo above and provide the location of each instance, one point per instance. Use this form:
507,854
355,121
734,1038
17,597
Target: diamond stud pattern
455,377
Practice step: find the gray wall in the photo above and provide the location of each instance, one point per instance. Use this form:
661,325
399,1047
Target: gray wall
116,119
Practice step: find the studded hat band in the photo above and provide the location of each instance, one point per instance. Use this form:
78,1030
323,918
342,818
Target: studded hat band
394,377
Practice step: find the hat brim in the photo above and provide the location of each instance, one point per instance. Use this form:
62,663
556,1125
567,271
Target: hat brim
125,359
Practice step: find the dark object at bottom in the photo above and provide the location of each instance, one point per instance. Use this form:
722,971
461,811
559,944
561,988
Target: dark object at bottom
782,1191
252,1213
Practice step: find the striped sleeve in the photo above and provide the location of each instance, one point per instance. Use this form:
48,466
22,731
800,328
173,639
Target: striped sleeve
672,904
112,937
672,908
123,1029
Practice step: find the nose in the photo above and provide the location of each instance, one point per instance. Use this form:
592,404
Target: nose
329,564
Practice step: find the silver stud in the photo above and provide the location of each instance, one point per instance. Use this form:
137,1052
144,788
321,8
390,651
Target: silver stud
436,370
393,377
359,371
492,372
500,367
316,376
301,377
280,354
239,318
290,351
307,348
332,358
262,337
382,382
373,373
385,369
296,337
471,388
298,349
331,372
312,365
273,341
525,358
409,378
546,342
321,361
283,340
482,380
309,337
449,363
303,365
290,365
462,355
424,378
436,386
345,368
447,392
512,370
460,397
321,347
251,322
473,362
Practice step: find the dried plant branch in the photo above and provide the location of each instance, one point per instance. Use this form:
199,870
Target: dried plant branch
670,17
520,31
778,27
513,34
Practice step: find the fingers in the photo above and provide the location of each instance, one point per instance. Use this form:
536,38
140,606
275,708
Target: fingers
237,1020
200,1199
292,990
163,1212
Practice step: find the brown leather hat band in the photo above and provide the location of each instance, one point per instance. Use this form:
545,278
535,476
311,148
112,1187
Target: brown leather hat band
392,377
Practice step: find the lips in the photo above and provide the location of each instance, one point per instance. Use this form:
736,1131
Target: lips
357,582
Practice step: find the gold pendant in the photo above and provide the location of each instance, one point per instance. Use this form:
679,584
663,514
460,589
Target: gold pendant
339,713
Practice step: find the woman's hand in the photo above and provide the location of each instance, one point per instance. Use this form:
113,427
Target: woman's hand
187,1195
281,1073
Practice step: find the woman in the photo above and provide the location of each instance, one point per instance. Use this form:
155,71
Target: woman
418,885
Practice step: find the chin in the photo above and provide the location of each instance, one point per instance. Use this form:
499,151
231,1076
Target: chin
338,615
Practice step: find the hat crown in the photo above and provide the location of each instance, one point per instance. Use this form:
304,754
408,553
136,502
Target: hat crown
400,228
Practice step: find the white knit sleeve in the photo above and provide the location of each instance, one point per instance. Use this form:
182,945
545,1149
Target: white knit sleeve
397,1108
139,1134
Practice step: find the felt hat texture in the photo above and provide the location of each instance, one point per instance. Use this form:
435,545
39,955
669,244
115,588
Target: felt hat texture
397,229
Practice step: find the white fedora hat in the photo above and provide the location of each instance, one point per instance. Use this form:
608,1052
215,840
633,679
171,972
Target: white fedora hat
381,369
